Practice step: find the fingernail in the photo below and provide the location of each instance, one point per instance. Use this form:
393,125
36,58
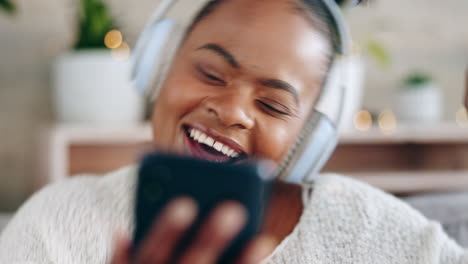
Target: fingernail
264,247
232,218
182,211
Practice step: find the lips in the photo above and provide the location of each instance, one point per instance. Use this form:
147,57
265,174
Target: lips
203,143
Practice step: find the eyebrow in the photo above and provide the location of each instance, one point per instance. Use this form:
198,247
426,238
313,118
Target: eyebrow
223,53
231,60
281,85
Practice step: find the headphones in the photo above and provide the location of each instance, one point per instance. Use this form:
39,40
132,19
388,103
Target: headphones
164,34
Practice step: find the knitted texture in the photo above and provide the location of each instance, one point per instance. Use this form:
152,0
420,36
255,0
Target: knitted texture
344,221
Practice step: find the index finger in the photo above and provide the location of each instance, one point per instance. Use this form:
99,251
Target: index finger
175,220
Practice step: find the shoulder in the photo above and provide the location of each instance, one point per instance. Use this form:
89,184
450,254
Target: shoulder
370,208
81,191
75,218
363,219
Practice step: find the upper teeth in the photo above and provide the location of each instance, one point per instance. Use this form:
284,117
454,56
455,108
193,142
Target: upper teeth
203,138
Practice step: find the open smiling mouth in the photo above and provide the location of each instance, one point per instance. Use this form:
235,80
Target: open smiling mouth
204,146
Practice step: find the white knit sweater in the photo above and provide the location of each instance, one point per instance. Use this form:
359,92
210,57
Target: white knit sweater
343,221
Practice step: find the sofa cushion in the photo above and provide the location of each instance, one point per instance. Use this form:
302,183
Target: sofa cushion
4,218
450,209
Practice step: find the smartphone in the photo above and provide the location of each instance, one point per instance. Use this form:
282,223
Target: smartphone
162,178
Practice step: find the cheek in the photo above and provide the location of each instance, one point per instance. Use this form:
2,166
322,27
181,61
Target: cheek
273,142
174,101
182,91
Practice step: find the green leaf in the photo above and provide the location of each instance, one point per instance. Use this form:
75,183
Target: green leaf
8,6
417,79
95,22
379,53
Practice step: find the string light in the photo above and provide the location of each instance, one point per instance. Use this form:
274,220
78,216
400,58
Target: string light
387,122
363,120
121,53
113,39
461,117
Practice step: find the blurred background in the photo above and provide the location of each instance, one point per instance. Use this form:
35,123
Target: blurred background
66,106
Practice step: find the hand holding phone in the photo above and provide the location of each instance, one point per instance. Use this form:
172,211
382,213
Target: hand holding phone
167,233
215,190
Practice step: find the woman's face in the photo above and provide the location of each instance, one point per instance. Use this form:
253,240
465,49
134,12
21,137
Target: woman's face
242,83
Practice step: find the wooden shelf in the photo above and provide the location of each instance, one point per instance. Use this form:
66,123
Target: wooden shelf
440,133
56,141
408,134
62,146
100,134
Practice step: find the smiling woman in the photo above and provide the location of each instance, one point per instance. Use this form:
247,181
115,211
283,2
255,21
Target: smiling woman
241,84
252,92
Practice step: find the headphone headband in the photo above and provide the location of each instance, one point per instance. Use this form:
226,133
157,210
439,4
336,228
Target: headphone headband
149,88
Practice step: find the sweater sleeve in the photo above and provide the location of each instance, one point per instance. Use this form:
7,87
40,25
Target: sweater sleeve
22,243
65,223
24,240
380,228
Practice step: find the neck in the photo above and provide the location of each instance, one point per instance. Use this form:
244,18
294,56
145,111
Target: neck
285,210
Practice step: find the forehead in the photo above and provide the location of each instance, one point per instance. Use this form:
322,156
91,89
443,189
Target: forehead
267,37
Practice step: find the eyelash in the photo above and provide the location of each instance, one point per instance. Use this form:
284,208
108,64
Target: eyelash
272,109
210,78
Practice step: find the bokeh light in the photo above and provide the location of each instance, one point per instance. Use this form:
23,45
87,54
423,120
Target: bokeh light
363,120
113,39
121,53
387,122
461,117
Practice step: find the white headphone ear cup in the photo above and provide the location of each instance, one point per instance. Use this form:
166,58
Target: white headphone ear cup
317,142
150,59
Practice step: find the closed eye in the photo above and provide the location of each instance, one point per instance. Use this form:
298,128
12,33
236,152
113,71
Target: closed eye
272,109
209,77
212,77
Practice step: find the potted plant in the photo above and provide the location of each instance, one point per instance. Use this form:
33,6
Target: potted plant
91,83
356,75
419,99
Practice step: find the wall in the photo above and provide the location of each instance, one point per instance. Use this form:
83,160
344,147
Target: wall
426,34
29,42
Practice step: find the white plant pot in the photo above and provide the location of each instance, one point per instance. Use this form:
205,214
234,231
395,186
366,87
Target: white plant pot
354,91
421,104
352,73
92,87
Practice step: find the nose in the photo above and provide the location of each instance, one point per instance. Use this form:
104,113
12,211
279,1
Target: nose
231,109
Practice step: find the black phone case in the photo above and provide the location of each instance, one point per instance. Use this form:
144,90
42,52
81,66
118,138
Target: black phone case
162,178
